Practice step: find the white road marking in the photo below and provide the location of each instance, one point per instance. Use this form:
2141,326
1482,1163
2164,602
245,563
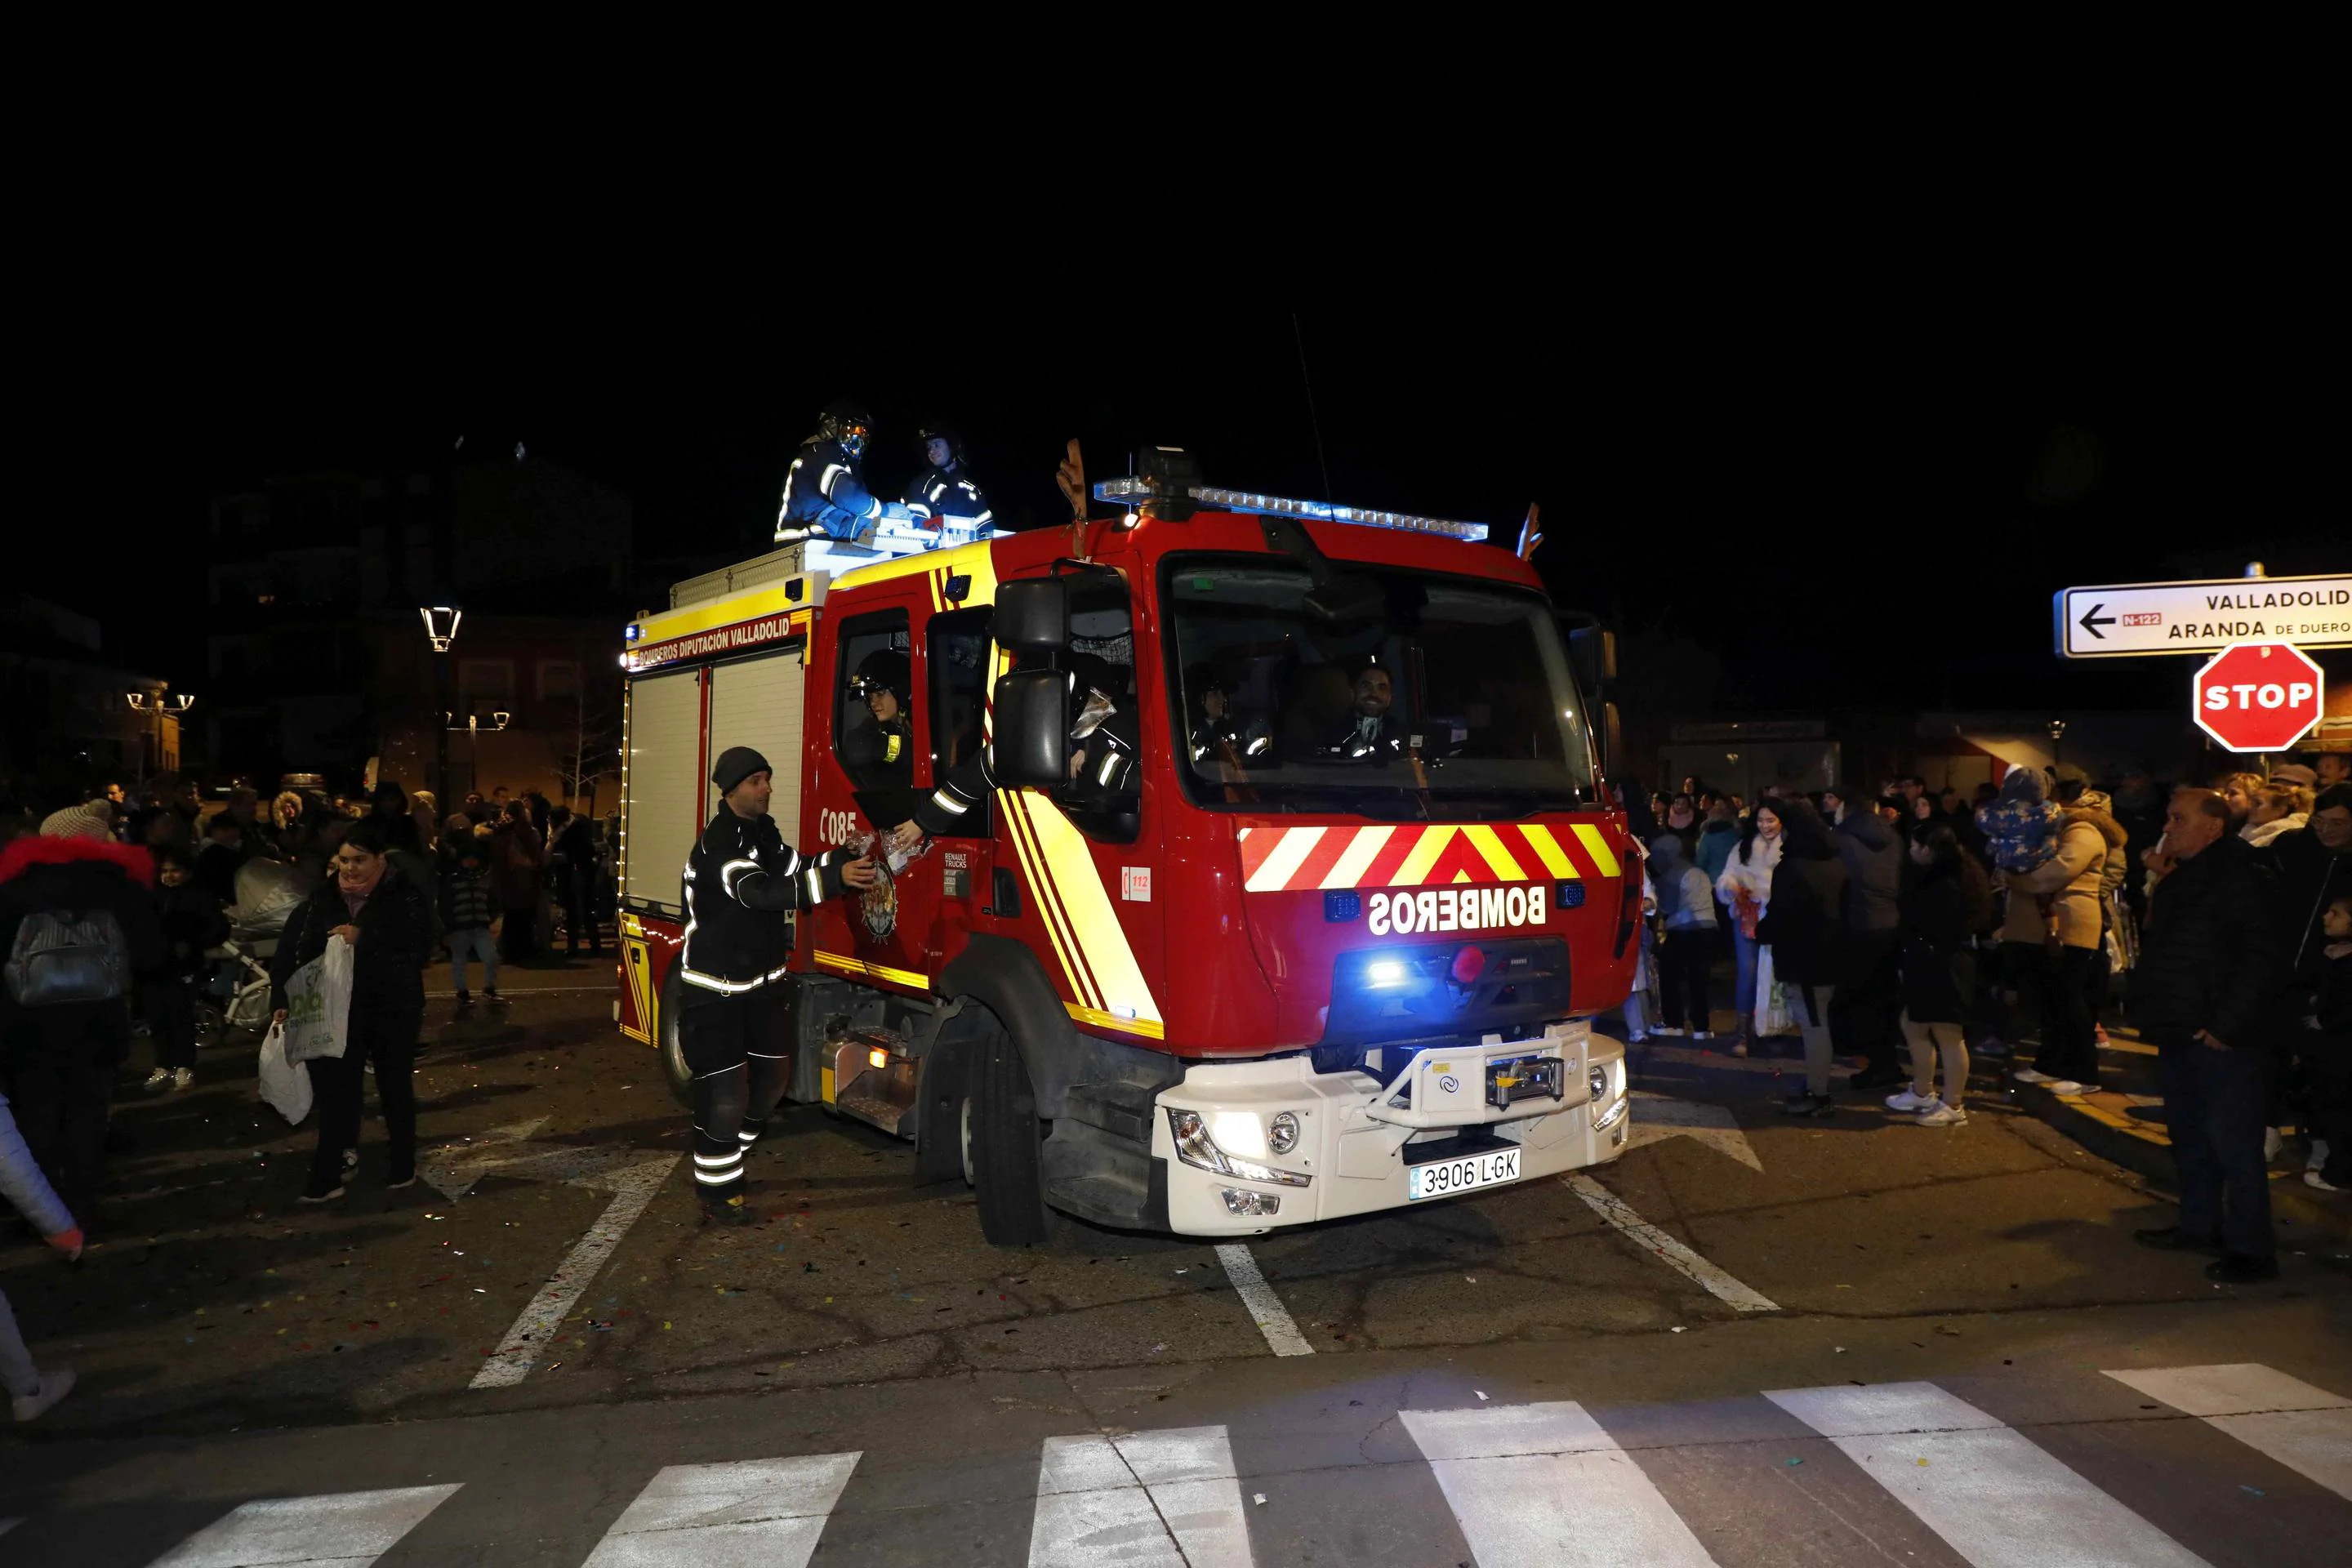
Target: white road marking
1542,1486
9,1524
761,1513
1146,1499
1720,1285
1274,1320
633,1188
1993,1495
2307,1429
344,1530
1657,1117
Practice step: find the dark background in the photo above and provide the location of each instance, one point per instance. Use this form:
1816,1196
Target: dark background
1826,446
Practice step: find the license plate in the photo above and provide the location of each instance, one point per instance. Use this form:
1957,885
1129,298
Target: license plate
1443,1178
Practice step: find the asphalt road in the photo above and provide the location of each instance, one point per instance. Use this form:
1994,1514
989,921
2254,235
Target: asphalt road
1672,1363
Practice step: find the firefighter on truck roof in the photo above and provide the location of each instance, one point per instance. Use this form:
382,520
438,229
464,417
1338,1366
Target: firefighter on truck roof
826,493
943,497
740,881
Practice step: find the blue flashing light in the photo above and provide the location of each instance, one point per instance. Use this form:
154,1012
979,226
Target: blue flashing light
1131,491
1568,895
1342,906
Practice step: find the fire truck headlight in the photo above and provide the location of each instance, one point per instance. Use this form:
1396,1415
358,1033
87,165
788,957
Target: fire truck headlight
1238,1133
1195,1147
1282,1132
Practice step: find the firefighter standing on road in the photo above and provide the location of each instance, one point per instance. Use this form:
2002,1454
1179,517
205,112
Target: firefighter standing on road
826,493
943,497
740,881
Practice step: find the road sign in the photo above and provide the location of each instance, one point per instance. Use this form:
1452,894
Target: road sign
2134,620
2258,696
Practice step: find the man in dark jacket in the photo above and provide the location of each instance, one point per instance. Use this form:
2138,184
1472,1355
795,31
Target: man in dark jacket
740,881
65,1007
2208,972
1863,1015
2312,864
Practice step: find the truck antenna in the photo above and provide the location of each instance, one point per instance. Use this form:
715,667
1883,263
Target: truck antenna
1314,421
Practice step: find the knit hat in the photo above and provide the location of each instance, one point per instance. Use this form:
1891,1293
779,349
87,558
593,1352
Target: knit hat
93,819
737,764
2294,773
2024,783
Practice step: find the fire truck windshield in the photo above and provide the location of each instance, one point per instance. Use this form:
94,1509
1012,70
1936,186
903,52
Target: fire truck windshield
1435,693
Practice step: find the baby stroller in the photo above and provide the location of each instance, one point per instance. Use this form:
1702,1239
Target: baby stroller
268,894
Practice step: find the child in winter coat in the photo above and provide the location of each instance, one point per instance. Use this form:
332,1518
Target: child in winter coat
468,906
192,922
1687,899
2021,827
31,1389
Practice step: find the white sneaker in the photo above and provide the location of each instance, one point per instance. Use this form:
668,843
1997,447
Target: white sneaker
1908,1100
1938,1114
158,1081
2314,1179
1667,1029
183,1078
1637,1037
2318,1156
2027,1075
2065,1086
1701,1034
2272,1141
57,1382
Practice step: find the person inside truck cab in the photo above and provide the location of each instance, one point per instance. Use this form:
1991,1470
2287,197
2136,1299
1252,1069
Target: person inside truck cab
942,499
1223,743
1373,732
1104,742
880,754
825,492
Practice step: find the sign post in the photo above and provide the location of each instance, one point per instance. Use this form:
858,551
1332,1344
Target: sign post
2138,620
2258,696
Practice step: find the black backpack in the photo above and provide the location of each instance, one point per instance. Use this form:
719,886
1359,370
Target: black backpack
63,957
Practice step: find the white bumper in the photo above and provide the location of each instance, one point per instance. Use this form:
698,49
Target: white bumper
1357,1139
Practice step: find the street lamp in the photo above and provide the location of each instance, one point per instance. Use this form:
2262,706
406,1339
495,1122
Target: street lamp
441,630
2057,738
162,705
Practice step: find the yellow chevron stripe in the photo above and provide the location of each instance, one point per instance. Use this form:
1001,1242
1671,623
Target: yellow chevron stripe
1358,856
1424,853
1289,853
1554,858
1596,846
1124,994
1150,1028
1499,859
1041,887
858,966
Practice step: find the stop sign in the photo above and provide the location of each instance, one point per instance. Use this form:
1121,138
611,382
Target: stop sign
2258,696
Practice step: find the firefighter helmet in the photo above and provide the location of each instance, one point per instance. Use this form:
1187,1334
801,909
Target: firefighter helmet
846,421
930,433
884,669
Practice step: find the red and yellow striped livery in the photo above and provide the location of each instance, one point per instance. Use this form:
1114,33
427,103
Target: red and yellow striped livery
1287,859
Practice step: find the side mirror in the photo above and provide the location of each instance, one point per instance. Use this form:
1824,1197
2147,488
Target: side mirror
1033,732
1032,615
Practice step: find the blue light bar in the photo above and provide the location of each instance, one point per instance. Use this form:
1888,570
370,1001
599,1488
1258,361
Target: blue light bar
1134,491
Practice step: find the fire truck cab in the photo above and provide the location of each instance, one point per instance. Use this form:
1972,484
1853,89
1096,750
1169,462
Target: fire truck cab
1311,922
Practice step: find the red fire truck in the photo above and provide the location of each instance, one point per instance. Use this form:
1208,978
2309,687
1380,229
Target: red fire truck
1328,943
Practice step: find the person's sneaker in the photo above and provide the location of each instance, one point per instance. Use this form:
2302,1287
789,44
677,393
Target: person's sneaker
330,1195
1668,1030
1941,1115
1701,1034
1807,1105
2066,1086
57,1382
158,1081
1740,1048
2314,1178
2172,1238
1911,1101
734,1211
183,1078
2027,1075
2239,1269
490,994
1638,1038
2317,1159
2272,1141
464,1001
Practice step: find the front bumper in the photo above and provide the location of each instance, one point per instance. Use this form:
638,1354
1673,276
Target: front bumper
1357,1137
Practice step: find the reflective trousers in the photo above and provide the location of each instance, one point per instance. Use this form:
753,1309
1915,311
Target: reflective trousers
742,1061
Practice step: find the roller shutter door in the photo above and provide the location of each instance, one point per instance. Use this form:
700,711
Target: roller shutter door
758,702
663,811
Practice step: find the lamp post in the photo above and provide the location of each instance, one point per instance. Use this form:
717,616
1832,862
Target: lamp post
2057,739
162,704
474,726
441,630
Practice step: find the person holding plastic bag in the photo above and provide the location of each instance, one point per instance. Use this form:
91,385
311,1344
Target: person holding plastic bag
382,915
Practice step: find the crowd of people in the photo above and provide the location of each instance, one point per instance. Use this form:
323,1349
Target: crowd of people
1915,930
114,909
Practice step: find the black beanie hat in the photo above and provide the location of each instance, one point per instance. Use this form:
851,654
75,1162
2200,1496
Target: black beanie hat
737,764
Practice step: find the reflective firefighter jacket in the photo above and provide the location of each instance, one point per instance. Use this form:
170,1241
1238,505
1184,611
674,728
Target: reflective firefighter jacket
740,881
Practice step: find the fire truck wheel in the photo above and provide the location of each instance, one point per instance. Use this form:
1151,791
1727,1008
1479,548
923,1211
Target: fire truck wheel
943,1143
673,1050
1004,1141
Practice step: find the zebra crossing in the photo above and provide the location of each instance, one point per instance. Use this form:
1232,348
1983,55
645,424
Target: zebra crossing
1522,1485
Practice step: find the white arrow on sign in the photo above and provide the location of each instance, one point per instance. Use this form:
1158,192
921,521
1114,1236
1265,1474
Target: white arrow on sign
632,1176
2135,620
1658,1117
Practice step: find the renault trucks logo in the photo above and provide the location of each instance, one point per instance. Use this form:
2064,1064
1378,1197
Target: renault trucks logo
1456,909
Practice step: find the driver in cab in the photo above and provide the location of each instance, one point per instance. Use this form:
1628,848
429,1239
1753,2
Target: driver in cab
1374,733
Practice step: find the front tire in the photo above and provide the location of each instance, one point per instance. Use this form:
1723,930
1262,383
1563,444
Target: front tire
672,1049
1005,1138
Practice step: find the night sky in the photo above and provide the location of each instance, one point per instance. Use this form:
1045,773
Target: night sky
1848,446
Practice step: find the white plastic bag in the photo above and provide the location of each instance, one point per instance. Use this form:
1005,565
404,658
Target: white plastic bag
1773,1015
285,1084
319,1004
